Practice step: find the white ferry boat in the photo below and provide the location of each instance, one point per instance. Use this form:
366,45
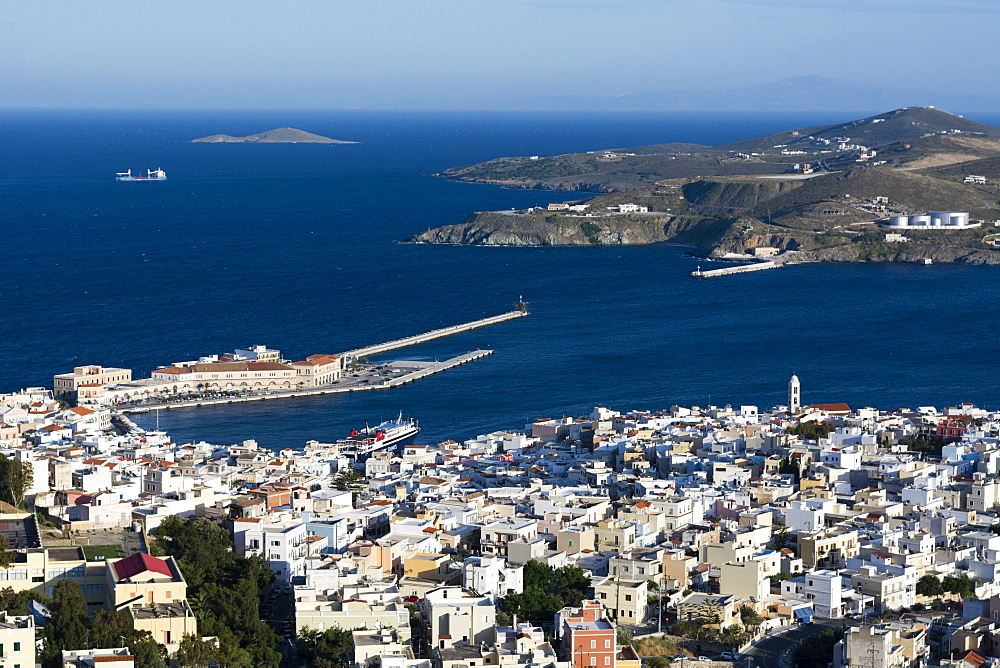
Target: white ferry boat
361,443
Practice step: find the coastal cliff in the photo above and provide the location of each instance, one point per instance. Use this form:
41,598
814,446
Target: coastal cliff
493,228
761,196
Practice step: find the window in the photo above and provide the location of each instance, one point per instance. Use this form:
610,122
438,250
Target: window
628,597
593,644
607,644
604,594
17,647
607,661
570,543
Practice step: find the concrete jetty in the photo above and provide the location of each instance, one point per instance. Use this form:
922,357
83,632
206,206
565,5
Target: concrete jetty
412,370
741,269
431,335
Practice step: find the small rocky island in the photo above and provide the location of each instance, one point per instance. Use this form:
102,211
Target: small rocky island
276,136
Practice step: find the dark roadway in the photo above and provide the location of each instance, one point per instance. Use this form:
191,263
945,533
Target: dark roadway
775,650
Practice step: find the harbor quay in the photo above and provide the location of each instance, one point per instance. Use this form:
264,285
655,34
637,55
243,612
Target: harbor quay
382,377
258,373
725,535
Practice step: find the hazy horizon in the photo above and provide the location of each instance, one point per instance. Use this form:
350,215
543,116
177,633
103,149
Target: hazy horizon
452,55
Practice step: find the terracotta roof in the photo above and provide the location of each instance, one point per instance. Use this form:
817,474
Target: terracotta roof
114,658
832,408
212,367
140,562
317,360
79,410
973,657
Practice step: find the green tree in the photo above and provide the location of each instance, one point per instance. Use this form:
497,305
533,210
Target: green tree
570,584
109,629
685,629
332,648
788,467
546,591
193,652
623,636
69,625
5,554
962,585
811,430
348,479
15,480
925,445
224,589
537,575
147,652
15,602
930,585
780,539
749,617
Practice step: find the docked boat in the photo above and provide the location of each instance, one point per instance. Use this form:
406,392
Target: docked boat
360,444
151,175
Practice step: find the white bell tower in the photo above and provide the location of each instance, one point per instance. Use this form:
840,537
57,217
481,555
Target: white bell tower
794,395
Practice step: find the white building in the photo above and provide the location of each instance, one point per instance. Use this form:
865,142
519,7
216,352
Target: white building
285,546
806,515
491,576
455,618
821,588
17,640
631,208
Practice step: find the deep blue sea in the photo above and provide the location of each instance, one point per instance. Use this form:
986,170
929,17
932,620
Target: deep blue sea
295,247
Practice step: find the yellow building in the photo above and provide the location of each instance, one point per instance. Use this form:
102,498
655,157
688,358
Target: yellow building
41,569
614,536
829,547
154,594
91,378
427,566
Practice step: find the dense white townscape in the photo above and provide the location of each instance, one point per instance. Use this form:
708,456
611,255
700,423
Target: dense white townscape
701,534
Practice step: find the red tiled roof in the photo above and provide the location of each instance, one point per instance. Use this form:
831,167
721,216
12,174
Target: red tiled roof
973,657
114,658
140,562
832,408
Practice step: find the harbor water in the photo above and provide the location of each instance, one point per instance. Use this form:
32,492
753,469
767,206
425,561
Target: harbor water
296,247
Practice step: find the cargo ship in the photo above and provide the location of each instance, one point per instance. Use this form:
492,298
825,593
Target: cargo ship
151,175
360,444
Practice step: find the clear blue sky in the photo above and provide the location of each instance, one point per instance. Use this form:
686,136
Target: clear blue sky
338,53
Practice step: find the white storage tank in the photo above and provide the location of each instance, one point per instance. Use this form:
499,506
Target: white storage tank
899,221
950,218
921,220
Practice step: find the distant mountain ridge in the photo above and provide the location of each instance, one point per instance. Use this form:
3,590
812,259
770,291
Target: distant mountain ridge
801,93
904,138
276,136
